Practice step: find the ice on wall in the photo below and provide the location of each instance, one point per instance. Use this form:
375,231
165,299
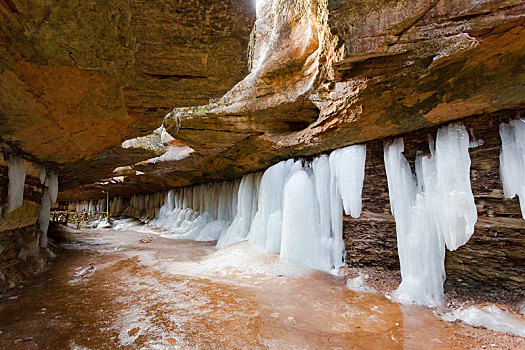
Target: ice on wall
347,166
266,226
17,176
432,209
302,243
512,160
52,183
246,209
49,179
452,198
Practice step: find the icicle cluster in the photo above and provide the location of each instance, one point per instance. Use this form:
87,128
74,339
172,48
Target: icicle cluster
88,206
432,209
201,212
15,190
294,209
512,160
300,207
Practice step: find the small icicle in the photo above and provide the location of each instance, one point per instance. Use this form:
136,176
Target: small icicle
512,160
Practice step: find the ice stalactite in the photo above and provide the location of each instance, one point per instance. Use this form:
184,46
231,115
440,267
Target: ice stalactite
50,182
17,176
432,209
247,204
266,226
512,160
43,220
201,212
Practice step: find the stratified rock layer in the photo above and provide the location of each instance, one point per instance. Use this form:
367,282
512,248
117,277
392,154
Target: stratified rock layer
77,78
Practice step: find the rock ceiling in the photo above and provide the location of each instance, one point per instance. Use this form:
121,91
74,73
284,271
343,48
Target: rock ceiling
77,80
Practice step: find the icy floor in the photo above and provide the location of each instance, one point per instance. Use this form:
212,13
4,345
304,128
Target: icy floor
132,289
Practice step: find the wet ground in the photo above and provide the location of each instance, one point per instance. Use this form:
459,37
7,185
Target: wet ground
132,289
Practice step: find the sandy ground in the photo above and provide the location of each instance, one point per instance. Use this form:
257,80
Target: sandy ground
132,289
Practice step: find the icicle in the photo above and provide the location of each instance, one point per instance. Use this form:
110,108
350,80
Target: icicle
453,201
43,220
301,233
52,183
270,203
245,211
420,247
512,160
17,176
348,170
435,210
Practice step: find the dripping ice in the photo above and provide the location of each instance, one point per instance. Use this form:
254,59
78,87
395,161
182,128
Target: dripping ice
512,160
433,209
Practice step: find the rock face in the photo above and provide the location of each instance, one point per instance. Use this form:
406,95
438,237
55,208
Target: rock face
78,78
326,74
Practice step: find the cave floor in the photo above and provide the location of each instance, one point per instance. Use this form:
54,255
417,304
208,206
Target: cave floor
132,289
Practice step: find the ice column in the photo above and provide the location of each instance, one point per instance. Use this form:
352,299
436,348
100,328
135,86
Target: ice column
246,209
266,226
17,176
512,160
433,208
300,237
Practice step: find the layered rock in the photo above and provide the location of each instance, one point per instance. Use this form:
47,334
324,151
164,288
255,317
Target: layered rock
327,74
78,78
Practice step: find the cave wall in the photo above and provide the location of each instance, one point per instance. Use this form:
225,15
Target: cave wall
493,259
20,252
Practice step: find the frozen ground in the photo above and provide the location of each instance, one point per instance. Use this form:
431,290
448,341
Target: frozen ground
133,289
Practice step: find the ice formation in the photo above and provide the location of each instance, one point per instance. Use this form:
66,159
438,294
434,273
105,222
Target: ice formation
17,176
512,160
432,209
50,181
294,209
490,317
246,210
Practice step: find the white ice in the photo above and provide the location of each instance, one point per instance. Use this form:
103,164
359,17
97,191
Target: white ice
432,209
512,160
17,176
421,250
490,317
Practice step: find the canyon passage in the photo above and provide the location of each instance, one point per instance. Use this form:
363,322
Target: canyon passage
262,174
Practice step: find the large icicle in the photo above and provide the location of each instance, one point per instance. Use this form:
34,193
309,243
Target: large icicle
17,176
301,233
436,209
348,170
512,160
453,201
421,252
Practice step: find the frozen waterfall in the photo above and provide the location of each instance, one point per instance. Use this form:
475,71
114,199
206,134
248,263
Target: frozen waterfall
432,209
295,208
512,160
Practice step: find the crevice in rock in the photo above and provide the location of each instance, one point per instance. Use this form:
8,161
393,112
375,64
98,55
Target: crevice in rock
175,76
